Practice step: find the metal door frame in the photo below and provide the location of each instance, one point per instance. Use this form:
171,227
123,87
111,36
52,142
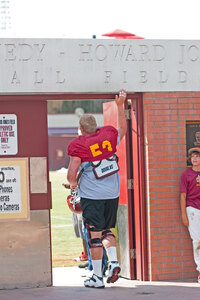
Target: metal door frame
139,191
139,187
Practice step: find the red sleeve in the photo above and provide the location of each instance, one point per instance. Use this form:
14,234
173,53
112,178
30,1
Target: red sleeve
75,148
183,185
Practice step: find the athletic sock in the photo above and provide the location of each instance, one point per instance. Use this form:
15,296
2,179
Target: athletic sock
112,253
97,267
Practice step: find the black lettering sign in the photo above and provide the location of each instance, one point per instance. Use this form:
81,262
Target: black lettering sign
2,177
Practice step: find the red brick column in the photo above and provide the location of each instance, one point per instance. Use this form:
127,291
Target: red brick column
170,248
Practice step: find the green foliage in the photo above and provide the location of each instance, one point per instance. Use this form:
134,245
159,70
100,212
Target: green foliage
89,106
65,245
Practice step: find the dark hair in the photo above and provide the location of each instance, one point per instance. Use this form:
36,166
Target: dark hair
190,155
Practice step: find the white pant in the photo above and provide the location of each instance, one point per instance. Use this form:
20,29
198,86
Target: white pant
194,230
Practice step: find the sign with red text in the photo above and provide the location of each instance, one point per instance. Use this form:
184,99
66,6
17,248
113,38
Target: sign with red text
8,134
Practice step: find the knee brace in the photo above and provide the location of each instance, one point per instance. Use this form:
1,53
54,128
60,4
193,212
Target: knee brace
95,243
106,233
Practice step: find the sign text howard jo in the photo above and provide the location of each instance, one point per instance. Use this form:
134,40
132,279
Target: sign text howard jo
97,66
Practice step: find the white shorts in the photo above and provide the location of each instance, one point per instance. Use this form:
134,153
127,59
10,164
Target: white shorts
194,230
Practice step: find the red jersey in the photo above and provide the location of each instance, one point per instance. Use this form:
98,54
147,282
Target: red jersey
190,184
97,146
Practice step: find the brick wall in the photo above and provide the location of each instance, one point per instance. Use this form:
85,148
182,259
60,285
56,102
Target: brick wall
170,247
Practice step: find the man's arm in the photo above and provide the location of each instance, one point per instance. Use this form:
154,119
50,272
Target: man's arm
74,165
121,125
183,209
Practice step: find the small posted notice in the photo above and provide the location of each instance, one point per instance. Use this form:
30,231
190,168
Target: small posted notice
10,193
14,195
8,134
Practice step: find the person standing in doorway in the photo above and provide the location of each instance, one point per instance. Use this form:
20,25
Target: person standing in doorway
93,156
190,202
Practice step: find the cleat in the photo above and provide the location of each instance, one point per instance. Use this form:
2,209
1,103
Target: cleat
113,272
84,265
94,282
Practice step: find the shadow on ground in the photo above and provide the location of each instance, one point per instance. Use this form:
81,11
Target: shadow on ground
68,285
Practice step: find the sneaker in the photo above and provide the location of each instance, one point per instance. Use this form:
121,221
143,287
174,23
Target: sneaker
94,282
199,278
87,273
113,272
104,270
84,265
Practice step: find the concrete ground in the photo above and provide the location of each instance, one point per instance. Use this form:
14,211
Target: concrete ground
68,285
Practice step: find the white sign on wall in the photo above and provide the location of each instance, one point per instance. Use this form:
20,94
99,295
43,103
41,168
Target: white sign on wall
98,65
10,192
14,189
8,134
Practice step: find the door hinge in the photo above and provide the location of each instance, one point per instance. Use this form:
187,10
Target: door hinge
130,184
132,253
128,114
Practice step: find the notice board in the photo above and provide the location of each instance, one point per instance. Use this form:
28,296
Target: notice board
14,189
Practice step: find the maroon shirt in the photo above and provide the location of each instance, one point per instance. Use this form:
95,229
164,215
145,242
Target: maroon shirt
94,147
190,184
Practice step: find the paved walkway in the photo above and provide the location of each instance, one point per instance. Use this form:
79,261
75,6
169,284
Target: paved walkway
68,285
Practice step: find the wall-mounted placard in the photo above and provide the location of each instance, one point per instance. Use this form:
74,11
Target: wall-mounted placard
14,189
8,134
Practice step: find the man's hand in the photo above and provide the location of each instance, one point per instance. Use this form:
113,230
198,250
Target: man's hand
183,209
185,220
121,120
74,186
66,185
119,100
